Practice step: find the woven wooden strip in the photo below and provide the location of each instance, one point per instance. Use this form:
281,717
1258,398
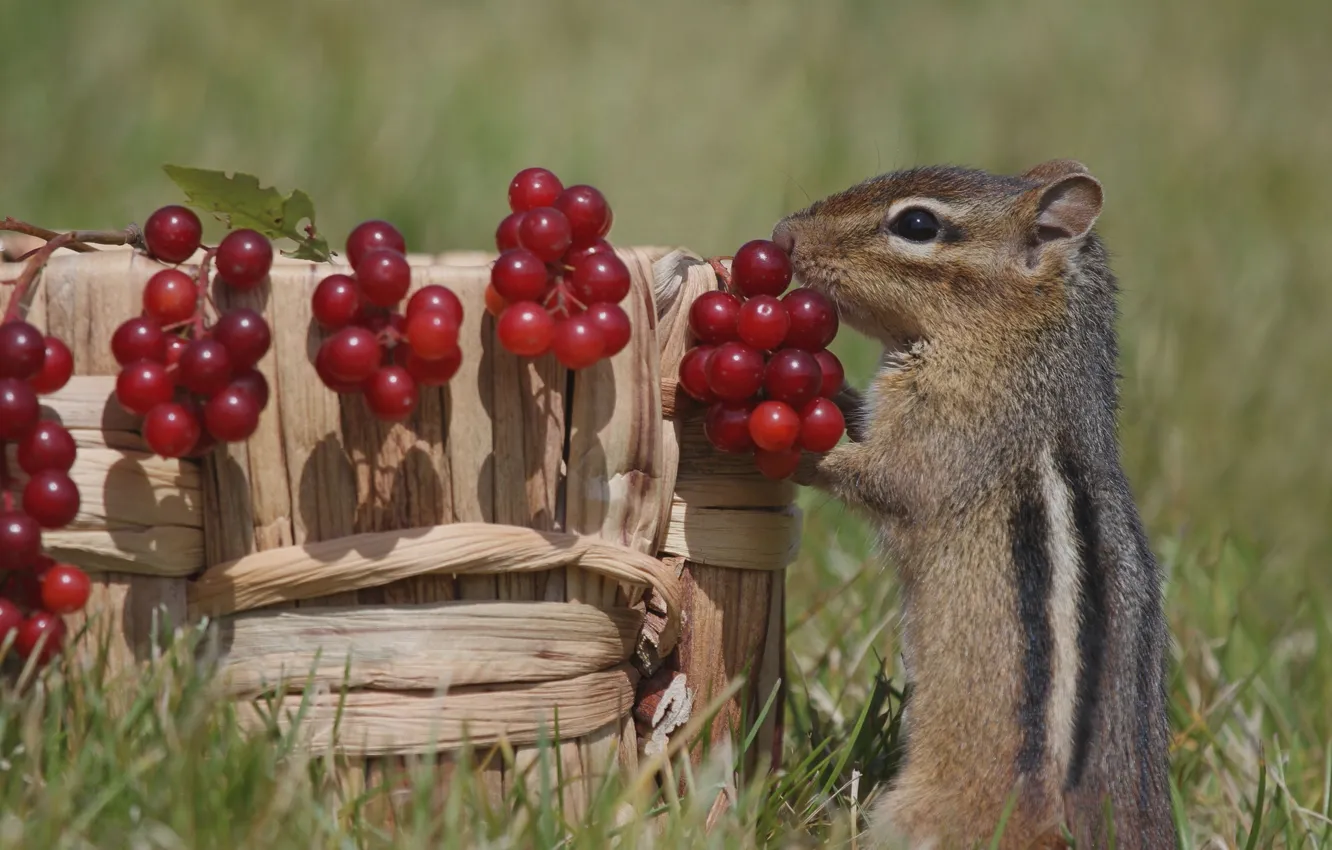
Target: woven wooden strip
375,559
87,403
163,551
422,647
118,489
379,723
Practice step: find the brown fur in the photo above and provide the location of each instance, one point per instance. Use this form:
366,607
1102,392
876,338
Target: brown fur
998,385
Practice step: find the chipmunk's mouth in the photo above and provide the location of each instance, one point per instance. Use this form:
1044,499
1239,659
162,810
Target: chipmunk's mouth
901,347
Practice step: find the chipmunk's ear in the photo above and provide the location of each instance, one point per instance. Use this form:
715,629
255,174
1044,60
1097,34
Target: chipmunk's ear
1066,203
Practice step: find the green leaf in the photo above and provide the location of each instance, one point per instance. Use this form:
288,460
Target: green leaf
240,201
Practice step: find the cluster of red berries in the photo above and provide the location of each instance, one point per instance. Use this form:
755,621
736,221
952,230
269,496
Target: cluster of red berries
761,363
34,589
557,284
375,350
194,384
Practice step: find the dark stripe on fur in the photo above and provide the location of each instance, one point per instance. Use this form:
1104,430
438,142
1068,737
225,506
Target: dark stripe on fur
1092,627
1030,531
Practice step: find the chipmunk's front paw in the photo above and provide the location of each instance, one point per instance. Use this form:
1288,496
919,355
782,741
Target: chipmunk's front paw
852,404
807,472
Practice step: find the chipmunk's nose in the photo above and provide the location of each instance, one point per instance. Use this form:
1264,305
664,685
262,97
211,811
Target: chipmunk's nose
785,237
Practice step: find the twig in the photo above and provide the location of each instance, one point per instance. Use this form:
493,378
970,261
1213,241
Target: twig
35,263
5,482
79,239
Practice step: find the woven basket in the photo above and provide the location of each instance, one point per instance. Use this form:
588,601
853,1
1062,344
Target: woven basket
532,548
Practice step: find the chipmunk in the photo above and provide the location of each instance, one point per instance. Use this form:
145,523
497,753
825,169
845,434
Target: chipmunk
986,451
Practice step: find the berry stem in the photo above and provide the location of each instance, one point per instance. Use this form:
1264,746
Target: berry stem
723,273
202,279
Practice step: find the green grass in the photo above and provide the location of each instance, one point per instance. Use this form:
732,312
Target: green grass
704,122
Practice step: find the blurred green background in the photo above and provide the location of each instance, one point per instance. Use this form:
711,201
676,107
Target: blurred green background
705,121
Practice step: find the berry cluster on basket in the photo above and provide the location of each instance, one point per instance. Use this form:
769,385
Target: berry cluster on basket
194,383
384,353
34,589
761,363
558,284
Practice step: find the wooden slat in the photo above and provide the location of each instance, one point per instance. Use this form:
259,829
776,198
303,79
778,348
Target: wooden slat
136,489
423,647
379,723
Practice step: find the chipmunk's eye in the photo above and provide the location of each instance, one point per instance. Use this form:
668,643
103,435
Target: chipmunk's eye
916,224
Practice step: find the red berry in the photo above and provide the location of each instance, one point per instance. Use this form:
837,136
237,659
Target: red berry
171,429
11,617
760,268
495,302
519,275
834,376
254,384
506,235
777,465
143,385
435,298
614,325
205,367
792,376
139,338
65,589
525,329
47,446
173,233
22,350
391,393
243,258
694,373
431,373
373,235
545,232
245,335
763,322
19,408
170,296
727,427
821,426
232,414
714,317
335,301
813,320
587,211
602,278
51,498
735,371
580,251
532,188
20,540
44,628
431,334
577,342
384,277
335,384
57,368
774,425
175,347
353,355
